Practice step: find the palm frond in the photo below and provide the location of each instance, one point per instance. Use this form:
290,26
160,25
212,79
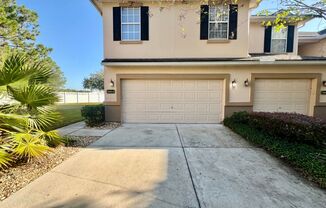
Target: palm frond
28,145
41,75
52,138
5,159
14,69
34,96
13,122
43,118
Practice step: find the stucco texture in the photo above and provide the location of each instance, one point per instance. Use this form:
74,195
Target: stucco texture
239,73
174,32
313,49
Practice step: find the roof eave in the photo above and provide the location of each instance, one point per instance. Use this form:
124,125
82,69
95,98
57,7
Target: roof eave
217,63
98,8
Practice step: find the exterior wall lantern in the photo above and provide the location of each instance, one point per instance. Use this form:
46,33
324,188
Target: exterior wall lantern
111,83
324,83
246,83
234,83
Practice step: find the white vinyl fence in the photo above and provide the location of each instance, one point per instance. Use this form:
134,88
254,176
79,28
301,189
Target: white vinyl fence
68,97
81,97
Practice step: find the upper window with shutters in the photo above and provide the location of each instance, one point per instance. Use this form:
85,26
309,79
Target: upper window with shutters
278,41
130,24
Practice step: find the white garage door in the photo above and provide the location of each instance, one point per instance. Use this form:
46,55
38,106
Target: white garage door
273,95
172,101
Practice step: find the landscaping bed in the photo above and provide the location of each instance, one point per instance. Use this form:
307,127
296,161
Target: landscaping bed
19,175
306,152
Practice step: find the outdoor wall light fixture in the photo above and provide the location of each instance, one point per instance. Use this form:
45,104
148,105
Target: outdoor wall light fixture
111,83
234,83
324,83
246,83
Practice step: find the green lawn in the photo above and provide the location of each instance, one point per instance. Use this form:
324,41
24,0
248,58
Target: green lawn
70,113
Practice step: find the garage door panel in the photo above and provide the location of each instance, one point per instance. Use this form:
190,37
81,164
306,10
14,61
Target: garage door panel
203,96
134,85
189,96
189,85
152,95
202,85
177,85
214,108
272,95
202,107
172,101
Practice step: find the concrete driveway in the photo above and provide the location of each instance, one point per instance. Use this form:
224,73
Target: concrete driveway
169,166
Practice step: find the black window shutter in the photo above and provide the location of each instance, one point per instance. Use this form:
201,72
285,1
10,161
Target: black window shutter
233,21
144,23
290,41
268,39
116,23
204,22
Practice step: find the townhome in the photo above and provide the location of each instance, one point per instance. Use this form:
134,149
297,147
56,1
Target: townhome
195,62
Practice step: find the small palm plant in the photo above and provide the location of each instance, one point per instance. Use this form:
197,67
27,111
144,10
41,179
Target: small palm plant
24,121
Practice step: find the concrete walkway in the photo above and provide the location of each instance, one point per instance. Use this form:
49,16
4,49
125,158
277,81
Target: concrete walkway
169,166
79,129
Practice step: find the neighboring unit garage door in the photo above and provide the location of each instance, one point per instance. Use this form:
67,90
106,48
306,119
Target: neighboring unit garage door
284,95
172,101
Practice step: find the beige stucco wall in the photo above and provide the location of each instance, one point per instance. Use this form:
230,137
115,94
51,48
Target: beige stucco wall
174,32
257,35
239,73
256,38
313,49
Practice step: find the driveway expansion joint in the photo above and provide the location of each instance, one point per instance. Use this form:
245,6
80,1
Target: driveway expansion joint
187,163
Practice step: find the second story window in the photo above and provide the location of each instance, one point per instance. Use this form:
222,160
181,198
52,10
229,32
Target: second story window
279,40
218,27
130,24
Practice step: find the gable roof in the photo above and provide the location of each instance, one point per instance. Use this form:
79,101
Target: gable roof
312,37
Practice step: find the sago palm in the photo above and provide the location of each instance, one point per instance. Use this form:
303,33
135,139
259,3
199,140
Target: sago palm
23,122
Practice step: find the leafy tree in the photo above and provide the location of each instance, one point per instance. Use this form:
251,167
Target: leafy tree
295,10
316,8
94,81
18,32
23,123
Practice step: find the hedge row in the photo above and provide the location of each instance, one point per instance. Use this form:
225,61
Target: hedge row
290,126
307,159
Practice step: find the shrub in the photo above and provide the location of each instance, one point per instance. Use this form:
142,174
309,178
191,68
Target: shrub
289,126
94,114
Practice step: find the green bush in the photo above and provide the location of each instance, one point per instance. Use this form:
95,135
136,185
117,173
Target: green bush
290,126
307,159
94,114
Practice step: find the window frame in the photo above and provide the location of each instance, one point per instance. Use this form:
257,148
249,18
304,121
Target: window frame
220,21
286,41
130,23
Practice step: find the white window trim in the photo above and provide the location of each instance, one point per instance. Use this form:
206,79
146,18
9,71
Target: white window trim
130,23
227,24
286,40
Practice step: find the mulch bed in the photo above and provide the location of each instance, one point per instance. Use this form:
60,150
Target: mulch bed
19,175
